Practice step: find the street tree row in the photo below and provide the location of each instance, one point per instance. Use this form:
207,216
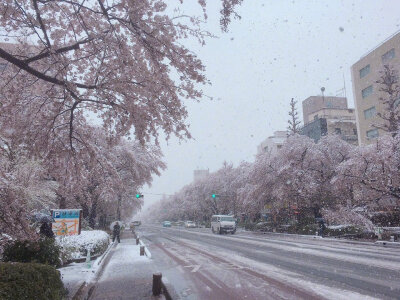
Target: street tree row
68,65
329,178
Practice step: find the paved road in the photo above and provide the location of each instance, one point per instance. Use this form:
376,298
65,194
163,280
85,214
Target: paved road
202,265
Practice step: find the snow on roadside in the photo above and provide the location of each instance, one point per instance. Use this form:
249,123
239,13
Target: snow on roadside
75,246
292,278
75,274
124,262
317,251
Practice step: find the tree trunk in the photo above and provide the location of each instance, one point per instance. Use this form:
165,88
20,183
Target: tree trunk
85,210
119,208
93,214
62,203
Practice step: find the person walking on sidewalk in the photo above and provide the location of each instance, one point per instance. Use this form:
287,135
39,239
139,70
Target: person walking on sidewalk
116,232
322,227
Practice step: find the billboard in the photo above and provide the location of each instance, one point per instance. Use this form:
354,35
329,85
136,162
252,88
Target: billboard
66,221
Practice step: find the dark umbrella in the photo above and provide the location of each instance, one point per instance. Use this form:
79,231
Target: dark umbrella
41,218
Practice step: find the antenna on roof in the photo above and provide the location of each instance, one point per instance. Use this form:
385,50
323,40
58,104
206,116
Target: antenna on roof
342,92
344,86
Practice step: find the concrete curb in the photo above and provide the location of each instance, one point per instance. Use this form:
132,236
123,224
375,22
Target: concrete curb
164,281
146,250
388,244
81,259
165,291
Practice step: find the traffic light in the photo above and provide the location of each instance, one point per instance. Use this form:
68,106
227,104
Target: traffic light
139,196
214,196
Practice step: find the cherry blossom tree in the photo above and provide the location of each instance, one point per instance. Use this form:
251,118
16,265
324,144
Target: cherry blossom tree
24,187
116,59
374,169
390,100
195,202
110,170
119,62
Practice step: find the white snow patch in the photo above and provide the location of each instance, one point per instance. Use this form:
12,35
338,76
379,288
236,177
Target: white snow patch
124,261
289,277
74,246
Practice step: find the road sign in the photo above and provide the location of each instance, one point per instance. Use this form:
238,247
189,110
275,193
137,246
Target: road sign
66,221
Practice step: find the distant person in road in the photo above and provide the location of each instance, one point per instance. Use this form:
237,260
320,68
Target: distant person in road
116,232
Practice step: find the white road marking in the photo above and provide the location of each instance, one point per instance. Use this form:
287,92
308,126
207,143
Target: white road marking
195,268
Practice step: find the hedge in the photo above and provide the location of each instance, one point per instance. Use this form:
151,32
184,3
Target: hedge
76,246
44,251
30,281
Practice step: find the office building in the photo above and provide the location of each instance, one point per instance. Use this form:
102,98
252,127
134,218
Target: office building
365,72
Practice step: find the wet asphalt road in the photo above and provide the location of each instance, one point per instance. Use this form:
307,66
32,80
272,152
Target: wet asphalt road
202,265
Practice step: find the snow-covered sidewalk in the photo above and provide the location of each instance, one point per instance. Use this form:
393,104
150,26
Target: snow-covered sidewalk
127,274
76,274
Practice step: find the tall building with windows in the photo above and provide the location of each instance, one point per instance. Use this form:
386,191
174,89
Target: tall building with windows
365,73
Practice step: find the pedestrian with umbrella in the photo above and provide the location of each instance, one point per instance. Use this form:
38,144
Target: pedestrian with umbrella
116,228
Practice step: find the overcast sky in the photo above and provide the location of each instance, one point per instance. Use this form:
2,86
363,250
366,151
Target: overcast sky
278,50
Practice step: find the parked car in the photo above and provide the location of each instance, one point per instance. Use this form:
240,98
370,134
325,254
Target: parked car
264,226
223,224
136,223
166,224
190,224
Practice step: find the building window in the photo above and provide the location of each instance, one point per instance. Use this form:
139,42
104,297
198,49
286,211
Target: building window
279,146
388,55
370,113
364,71
367,91
373,133
338,131
355,131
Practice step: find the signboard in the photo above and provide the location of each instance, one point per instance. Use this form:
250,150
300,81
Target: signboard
66,221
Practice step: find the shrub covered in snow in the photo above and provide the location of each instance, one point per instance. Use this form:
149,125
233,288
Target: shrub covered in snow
76,246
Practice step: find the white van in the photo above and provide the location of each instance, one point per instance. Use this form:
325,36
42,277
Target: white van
223,223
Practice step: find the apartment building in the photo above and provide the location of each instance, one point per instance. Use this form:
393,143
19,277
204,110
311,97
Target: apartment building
365,72
273,143
329,115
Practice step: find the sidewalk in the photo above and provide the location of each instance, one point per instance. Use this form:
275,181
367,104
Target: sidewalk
127,275
75,275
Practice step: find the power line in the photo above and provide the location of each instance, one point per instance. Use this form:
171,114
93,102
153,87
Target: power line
144,193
